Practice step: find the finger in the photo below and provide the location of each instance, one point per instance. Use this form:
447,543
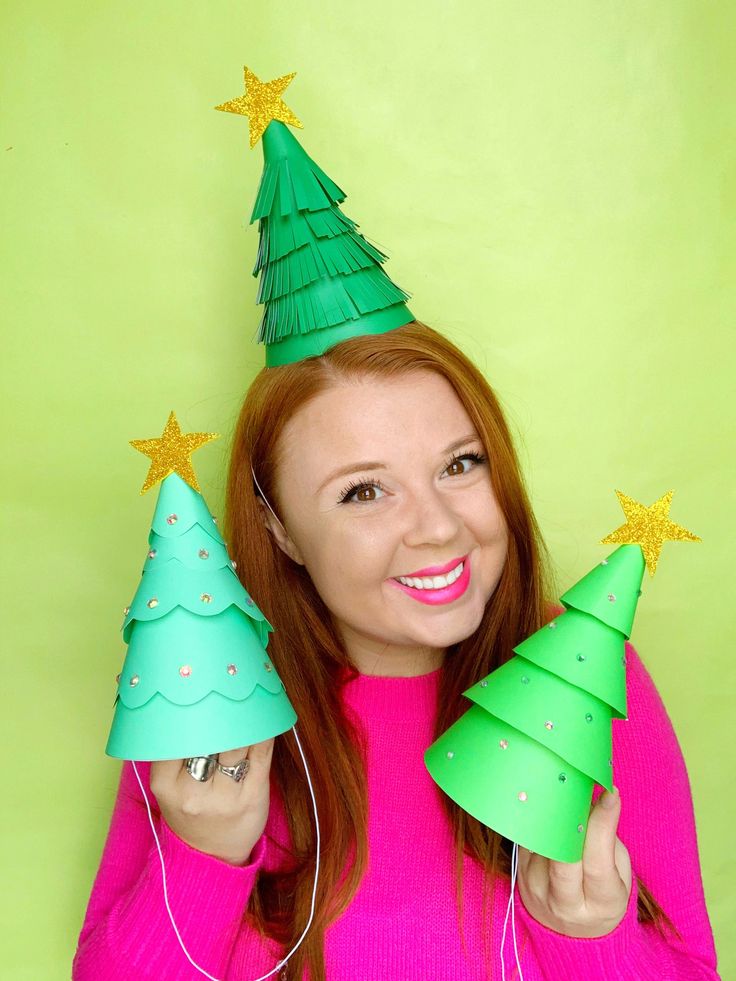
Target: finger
600,875
164,774
533,874
231,756
565,885
259,756
224,784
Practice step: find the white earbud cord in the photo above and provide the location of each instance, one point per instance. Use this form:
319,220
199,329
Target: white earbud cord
510,909
163,872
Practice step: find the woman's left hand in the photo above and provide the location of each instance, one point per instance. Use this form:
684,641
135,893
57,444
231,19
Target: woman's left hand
586,898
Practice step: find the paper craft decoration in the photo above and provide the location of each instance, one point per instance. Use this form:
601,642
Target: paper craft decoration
321,281
196,678
525,757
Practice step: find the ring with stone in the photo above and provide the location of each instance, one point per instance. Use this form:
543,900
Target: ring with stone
202,768
237,771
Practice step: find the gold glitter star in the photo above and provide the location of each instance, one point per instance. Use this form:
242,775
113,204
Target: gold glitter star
170,453
261,103
649,527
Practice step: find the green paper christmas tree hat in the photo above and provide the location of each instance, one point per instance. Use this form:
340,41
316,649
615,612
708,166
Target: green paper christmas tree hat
321,281
196,678
525,757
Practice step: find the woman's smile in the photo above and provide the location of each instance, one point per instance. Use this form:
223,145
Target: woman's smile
436,589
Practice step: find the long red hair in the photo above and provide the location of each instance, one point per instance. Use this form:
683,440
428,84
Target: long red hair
312,662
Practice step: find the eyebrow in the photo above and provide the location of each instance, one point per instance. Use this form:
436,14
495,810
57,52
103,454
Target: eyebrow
377,465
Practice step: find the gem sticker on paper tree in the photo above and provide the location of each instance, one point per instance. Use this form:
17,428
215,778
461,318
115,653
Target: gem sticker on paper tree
524,758
196,678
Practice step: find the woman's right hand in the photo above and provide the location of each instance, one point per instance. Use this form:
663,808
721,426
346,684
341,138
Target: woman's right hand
220,817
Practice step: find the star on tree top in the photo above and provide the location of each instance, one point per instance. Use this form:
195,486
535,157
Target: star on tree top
261,103
170,453
648,527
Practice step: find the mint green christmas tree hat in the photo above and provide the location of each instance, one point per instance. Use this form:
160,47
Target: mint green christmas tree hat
321,281
196,679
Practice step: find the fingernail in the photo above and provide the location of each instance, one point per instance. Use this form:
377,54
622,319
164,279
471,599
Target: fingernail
609,799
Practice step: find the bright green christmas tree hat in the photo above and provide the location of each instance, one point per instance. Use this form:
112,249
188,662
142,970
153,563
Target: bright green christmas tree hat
321,281
196,679
526,755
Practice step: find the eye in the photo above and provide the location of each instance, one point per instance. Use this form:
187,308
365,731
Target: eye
355,487
477,459
348,494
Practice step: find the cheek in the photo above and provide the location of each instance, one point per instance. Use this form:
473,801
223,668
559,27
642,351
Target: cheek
347,556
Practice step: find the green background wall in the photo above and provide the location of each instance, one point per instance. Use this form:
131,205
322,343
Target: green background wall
554,183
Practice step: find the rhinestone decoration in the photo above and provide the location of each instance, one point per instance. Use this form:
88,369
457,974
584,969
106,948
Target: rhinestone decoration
185,670
203,553
581,657
250,602
126,611
623,660
552,624
214,519
549,725
117,679
588,717
604,562
267,666
611,598
233,564
504,744
524,680
638,592
484,684
522,795
152,603
562,778
206,597
232,669
172,519
134,681
610,762
152,553
450,754
580,829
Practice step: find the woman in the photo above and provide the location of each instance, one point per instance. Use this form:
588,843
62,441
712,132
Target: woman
382,463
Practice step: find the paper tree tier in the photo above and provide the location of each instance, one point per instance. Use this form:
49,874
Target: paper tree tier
194,685
524,759
526,793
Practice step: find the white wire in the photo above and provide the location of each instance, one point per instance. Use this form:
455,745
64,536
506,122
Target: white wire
510,909
163,872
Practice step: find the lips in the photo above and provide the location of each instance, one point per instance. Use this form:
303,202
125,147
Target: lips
434,570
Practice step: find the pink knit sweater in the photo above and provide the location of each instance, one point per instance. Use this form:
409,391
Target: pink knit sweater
402,924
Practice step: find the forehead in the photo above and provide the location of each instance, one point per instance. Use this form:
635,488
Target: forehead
367,417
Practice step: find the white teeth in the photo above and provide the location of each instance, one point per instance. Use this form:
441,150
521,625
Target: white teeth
433,582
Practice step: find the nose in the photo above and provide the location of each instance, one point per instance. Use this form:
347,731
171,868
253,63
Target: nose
430,519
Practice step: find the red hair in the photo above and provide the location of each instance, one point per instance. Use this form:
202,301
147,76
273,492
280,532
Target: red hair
312,661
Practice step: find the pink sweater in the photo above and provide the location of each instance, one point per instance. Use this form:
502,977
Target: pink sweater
402,923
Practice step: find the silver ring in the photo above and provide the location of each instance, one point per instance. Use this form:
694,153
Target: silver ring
237,771
202,768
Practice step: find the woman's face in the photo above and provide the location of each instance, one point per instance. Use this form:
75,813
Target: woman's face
384,480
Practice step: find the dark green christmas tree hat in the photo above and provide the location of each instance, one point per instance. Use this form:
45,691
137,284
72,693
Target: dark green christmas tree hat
321,281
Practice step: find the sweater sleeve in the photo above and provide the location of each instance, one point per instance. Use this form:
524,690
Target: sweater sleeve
127,931
657,825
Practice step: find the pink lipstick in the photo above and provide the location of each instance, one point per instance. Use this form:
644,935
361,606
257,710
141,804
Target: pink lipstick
445,594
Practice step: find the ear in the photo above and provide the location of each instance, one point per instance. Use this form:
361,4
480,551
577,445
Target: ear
279,533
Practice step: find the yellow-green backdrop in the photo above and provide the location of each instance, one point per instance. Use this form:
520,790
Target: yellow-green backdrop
554,183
